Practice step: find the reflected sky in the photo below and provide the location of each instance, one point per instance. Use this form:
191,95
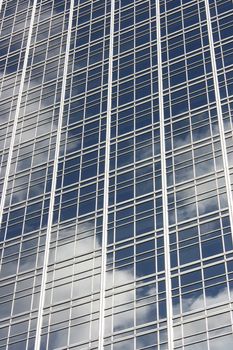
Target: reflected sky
135,277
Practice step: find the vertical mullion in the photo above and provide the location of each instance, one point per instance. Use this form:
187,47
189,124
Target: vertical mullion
106,181
1,3
54,179
164,185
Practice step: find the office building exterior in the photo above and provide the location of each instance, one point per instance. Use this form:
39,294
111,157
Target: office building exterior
116,174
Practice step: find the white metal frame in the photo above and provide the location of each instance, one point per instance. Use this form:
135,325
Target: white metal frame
54,179
164,187
106,181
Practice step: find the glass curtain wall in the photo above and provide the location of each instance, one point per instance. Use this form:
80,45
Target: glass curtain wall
116,174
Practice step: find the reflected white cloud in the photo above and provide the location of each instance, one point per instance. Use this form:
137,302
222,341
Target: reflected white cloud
82,251
122,319
199,197
215,321
197,134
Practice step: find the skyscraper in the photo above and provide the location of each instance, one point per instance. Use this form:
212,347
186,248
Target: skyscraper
116,174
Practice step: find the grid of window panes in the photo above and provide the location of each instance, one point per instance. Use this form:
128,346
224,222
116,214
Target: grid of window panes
135,313
27,197
199,223
135,310
71,310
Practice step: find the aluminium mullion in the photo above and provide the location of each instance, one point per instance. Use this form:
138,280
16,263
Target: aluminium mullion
219,114
54,180
164,186
106,180
1,3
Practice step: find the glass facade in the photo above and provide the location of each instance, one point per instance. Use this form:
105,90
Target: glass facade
116,177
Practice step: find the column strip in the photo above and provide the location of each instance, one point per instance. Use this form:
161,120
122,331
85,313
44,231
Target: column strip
219,113
106,182
17,112
1,3
164,185
53,186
